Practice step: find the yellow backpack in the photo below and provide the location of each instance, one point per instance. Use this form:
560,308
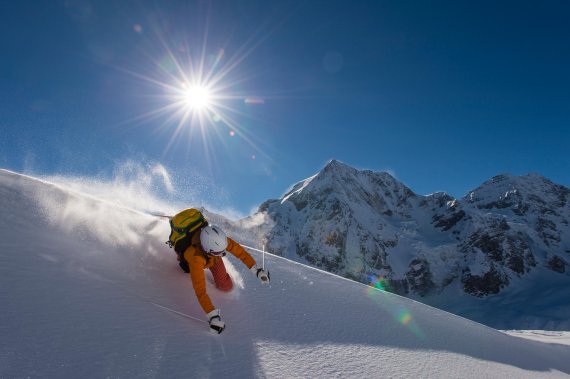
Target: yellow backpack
182,226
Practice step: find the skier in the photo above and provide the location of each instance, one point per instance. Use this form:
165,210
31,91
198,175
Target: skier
207,247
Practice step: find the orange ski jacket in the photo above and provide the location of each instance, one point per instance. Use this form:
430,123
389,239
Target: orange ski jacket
198,261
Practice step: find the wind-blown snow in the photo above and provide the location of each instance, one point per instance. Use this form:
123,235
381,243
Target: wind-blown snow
84,283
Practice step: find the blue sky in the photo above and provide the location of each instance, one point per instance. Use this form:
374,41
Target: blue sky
442,94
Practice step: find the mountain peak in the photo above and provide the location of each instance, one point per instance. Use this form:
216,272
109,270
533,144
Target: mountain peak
522,196
501,184
518,180
333,162
335,166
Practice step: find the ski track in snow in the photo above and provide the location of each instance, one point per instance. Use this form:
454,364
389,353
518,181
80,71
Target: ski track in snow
78,279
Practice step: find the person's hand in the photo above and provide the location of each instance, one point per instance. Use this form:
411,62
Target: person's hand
261,273
215,321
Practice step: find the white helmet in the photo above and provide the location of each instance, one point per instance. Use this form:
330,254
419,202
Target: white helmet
213,239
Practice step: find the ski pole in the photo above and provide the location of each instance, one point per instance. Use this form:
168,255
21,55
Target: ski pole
178,313
160,215
263,259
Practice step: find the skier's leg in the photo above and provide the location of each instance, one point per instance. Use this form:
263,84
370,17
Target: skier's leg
221,277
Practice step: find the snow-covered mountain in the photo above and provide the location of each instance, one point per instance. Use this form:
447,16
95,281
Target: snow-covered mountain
88,289
498,255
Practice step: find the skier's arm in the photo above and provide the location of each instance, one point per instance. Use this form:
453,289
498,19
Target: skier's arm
199,283
236,249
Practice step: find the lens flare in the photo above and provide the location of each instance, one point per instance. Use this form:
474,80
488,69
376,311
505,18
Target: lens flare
392,305
404,317
379,282
254,101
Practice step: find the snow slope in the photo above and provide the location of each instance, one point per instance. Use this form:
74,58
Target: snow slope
84,283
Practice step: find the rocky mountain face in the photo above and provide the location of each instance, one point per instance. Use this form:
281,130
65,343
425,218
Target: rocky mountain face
369,227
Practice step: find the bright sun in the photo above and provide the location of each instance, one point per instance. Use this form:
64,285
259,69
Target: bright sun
197,97
199,93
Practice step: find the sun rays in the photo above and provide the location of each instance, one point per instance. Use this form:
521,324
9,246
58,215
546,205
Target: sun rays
198,94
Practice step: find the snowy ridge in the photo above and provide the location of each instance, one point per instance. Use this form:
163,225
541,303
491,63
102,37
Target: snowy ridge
77,292
297,188
510,237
